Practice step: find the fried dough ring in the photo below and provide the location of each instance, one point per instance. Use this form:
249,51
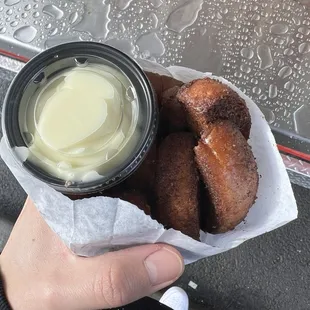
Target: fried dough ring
173,116
229,171
207,101
177,184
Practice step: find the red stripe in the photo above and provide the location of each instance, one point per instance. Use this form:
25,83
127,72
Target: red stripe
295,153
12,55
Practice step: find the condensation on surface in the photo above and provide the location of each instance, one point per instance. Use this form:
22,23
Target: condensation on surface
53,11
263,47
25,34
184,16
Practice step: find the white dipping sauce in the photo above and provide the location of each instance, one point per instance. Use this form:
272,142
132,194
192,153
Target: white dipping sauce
83,123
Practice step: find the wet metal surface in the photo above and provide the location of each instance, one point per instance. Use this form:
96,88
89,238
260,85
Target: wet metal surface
263,47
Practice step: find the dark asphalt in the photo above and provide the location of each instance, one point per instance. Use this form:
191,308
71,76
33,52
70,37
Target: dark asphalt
269,272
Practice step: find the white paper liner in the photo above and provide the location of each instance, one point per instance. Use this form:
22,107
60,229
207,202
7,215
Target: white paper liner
96,225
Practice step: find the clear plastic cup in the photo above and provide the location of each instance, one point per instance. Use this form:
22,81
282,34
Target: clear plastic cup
42,69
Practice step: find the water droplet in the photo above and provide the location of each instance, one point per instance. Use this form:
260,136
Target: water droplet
255,16
290,86
184,16
245,68
298,67
254,81
279,29
24,15
224,11
288,52
152,43
96,19
264,56
11,2
296,20
273,91
36,14
2,30
269,114
73,17
285,72
154,19
258,31
304,30
9,12
156,3
304,48
279,41
145,54
301,120
299,35
262,97
218,15
306,22
123,4
290,40
256,90
48,26
27,7
14,23
247,52
52,32
203,31
53,11
25,34
122,28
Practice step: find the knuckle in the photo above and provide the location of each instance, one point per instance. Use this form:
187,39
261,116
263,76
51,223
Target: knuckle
111,286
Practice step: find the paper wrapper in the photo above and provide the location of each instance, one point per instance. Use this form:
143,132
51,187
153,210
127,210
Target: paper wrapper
96,225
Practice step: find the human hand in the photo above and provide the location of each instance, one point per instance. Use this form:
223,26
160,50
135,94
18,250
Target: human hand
40,272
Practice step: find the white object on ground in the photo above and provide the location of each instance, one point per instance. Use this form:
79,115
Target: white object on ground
192,284
175,298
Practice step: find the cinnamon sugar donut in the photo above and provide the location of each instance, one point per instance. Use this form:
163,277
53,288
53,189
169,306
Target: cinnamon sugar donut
207,101
173,116
177,184
229,171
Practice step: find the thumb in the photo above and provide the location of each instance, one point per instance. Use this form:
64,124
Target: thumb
118,278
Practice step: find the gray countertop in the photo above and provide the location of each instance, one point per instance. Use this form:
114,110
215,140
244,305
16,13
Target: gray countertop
268,272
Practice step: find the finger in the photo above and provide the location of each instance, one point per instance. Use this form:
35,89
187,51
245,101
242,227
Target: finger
118,278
